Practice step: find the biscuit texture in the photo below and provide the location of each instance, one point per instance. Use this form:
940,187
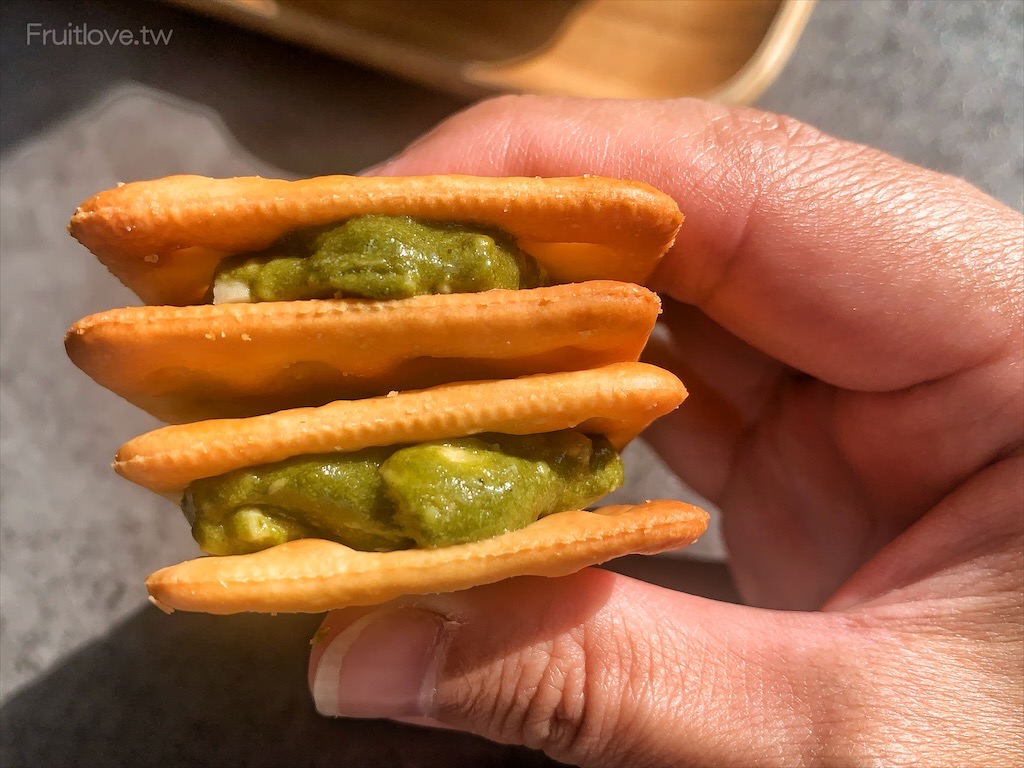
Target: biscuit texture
330,376
232,360
164,238
617,400
312,575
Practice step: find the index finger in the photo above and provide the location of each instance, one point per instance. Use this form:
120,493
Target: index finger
838,260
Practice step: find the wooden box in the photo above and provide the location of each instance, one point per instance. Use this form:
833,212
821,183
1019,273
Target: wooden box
726,50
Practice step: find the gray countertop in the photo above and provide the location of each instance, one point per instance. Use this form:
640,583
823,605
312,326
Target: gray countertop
89,673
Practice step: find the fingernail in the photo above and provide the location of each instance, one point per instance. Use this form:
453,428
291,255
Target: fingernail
384,664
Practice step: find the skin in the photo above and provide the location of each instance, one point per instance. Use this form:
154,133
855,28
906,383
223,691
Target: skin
850,329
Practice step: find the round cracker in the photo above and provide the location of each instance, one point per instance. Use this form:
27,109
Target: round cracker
164,238
616,400
233,360
312,575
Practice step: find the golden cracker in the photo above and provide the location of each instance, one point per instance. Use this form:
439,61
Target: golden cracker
234,360
617,400
164,238
313,575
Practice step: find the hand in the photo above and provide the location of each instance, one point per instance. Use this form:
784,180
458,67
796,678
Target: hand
849,327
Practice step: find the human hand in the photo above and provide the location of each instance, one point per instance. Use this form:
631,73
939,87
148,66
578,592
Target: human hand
849,327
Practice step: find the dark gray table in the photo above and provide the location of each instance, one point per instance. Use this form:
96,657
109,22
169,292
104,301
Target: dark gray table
89,673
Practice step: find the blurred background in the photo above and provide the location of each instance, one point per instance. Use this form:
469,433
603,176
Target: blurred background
90,674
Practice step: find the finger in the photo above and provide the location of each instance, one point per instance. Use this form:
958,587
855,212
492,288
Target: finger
808,248
591,668
598,669
688,341
867,273
729,384
982,516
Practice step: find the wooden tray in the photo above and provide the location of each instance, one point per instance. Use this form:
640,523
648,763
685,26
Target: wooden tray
726,50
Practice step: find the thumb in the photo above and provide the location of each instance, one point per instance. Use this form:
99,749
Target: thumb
593,668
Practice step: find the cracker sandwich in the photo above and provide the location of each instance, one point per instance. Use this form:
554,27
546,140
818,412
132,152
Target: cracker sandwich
383,386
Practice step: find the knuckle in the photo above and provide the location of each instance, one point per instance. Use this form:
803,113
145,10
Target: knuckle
558,707
548,695
781,158
560,696
771,145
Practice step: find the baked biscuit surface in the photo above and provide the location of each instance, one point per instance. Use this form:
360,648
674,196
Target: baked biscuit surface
557,357
617,401
164,238
312,575
233,360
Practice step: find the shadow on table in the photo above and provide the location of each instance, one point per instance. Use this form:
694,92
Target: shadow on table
194,689
295,109
191,689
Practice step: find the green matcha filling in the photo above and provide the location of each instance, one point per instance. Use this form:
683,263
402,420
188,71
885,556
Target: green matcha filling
377,257
428,495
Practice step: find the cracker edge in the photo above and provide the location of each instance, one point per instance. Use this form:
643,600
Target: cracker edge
288,585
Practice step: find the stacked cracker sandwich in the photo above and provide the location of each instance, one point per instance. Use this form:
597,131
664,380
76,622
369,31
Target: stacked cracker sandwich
383,386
